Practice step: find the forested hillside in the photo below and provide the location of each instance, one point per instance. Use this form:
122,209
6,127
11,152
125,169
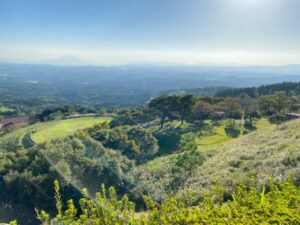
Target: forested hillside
174,144
288,87
268,153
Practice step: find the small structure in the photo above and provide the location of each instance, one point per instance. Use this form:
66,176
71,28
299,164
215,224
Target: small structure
18,121
292,116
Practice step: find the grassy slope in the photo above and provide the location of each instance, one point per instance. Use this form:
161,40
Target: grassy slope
48,130
206,140
6,110
271,152
13,140
268,151
63,128
207,137
218,135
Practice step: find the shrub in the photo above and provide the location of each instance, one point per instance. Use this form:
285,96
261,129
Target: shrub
280,205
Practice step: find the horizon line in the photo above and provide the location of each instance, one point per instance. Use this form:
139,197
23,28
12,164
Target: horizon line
62,64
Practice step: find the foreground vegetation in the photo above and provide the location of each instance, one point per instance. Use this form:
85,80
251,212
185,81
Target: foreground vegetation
276,204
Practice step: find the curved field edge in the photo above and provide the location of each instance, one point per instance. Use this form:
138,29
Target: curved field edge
64,128
40,132
13,141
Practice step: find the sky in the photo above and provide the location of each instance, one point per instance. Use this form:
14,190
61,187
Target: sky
241,32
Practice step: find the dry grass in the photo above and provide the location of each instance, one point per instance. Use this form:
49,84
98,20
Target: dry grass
272,152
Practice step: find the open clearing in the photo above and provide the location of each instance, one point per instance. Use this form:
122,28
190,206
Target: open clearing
63,128
218,134
175,135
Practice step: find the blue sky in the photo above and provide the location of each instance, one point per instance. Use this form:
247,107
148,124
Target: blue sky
152,31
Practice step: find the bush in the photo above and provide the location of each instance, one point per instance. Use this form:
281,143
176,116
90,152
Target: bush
134,142
280,205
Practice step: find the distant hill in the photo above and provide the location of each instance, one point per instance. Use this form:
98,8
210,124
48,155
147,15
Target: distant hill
126,84
65,60
207,91
288,87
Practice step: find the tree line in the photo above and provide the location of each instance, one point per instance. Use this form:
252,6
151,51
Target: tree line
254,92
195,110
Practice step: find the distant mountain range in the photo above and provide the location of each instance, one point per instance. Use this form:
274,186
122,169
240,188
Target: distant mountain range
67,60
130,84
64,60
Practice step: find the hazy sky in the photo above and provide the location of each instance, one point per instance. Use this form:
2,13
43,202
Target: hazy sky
139,31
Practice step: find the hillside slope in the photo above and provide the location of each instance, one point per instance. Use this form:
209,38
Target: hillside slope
80,161
271,152
261,154
40,132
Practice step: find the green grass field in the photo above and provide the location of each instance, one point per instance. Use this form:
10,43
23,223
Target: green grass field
63,128
207,137
12,141
219,136
6,110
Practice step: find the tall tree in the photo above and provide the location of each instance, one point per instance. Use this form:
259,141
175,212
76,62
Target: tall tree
274,104
201,112
232,107
161,106
185,107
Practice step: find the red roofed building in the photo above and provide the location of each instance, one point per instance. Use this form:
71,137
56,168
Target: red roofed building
14,121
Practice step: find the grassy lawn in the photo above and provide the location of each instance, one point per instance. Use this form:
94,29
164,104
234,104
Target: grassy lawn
262,123
13,140
63,128
6,110
214,139
219,136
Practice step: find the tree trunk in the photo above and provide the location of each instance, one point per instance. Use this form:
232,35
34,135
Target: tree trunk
182,120
162,123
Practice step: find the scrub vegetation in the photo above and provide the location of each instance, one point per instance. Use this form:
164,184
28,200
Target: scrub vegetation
180,159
